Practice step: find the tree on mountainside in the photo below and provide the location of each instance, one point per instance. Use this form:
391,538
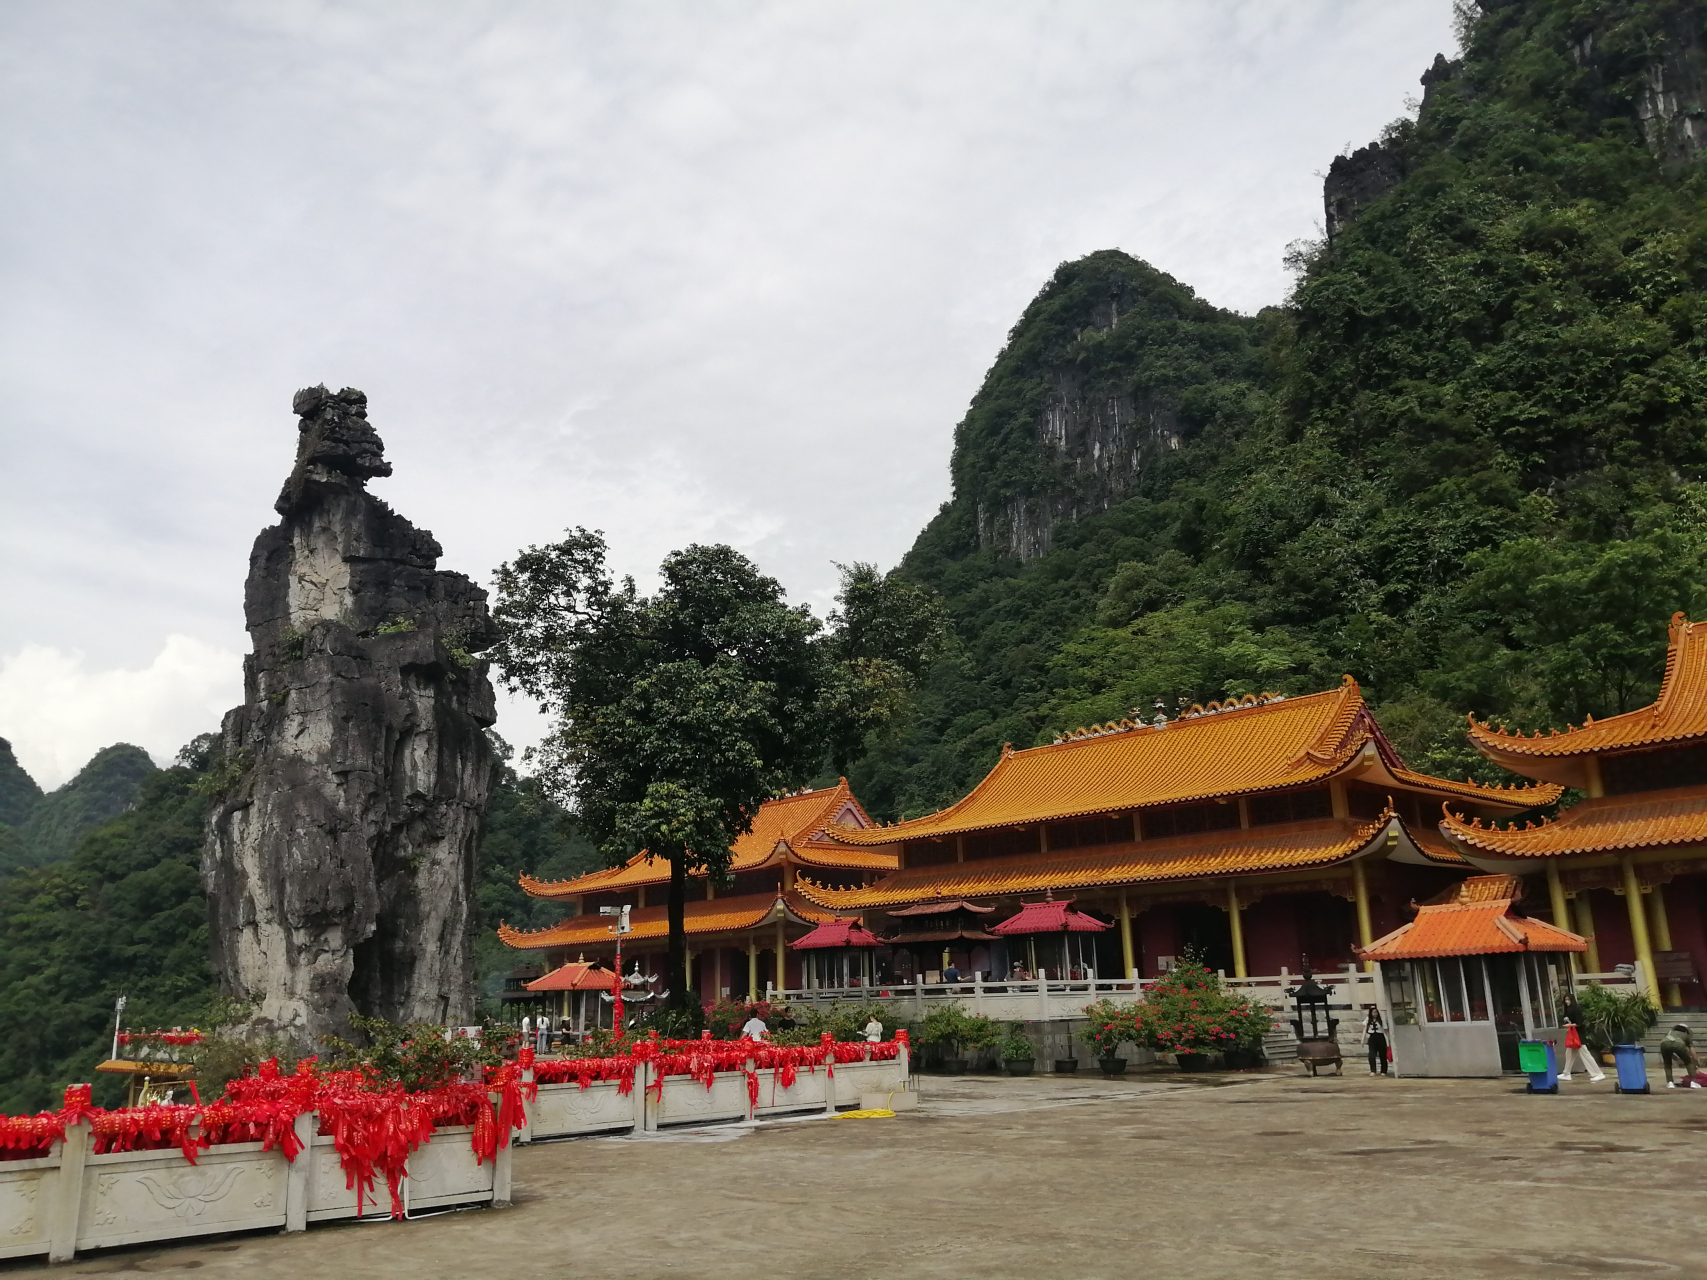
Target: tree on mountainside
678,714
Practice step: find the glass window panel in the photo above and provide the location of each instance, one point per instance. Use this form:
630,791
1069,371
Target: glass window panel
1476,988
1505,993
1433,1009
1452,987
1533,976
1401,993
1550,987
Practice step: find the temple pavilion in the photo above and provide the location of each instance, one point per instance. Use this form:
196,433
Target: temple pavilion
1261,832
735,934
1639,835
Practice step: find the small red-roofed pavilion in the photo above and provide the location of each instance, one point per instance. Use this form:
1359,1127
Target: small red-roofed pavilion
576,990
1052,918
840,953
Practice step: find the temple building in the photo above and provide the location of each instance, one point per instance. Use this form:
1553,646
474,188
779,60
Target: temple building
1260,833
1639,835
734,934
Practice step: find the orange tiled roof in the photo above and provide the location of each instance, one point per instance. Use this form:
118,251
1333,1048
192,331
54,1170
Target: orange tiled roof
1218,853
1679,714
577,975
719,915
789,820
1647,820
1436,847
1474,920
1268,746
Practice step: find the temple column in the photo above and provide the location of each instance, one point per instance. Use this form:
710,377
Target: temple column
1561,911
752,967
1660,930
1126,936
1585,926
781,953
1365,933
687,968
1639,926
1236,928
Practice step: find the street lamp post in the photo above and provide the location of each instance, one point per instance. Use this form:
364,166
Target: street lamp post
619,928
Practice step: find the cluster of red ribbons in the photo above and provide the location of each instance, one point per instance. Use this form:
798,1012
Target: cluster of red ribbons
374,1126
161,1037
704,1058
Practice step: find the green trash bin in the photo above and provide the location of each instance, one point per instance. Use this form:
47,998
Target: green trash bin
1535,1059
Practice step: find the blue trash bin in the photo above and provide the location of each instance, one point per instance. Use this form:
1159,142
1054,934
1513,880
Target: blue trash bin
1632,1062
1537,1060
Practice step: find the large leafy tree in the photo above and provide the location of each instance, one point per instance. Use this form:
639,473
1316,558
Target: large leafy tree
676,715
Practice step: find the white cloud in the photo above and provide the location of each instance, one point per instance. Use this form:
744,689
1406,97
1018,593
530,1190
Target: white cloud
57,712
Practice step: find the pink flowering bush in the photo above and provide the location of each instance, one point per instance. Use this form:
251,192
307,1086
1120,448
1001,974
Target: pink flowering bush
1187,1011
1110,1027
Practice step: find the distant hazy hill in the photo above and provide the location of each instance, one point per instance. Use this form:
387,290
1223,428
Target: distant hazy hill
48,826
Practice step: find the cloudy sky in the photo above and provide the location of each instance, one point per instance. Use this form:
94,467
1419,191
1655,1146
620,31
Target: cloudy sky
695,271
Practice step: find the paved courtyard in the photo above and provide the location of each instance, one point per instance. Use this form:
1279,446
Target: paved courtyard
1264,1176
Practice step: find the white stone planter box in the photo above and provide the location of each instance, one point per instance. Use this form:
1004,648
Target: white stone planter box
566,1110
73,1200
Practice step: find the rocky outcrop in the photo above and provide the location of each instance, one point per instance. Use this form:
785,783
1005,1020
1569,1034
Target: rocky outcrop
340,857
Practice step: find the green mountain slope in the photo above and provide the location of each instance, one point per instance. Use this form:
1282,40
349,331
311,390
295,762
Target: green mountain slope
1462,463
123,914
105,787
18,791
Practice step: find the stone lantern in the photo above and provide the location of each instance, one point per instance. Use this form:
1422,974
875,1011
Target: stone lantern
1317,1044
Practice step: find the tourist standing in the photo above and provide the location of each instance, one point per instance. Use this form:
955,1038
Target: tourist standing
755,1029
1375,1039
1574,1047
874,1031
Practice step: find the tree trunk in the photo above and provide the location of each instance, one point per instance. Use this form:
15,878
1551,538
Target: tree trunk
676,977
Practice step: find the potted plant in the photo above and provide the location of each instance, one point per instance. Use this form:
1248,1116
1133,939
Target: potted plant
1188,1014
1610,1018
952,1031
1110,1027
1018,1056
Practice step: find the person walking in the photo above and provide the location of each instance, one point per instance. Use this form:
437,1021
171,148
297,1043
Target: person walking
1574,1047
1678,1045
1375,1038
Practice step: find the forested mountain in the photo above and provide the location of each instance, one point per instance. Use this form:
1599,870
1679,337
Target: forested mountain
40,829
1462,463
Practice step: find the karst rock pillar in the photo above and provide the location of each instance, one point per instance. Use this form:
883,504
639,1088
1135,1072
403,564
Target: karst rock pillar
352,783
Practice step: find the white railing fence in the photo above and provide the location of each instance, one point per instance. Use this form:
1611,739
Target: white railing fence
1054,999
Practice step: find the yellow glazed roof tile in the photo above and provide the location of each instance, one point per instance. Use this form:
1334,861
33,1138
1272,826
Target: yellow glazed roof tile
1238,750
1647,820
1221,853
719,915
789,820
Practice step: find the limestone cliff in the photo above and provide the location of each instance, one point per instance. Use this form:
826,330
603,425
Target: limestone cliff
340,859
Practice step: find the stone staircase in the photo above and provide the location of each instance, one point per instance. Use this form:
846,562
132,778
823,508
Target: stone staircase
1697,1026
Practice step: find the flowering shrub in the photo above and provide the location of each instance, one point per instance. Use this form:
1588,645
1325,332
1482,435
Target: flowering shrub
1111,1026
1188,1012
